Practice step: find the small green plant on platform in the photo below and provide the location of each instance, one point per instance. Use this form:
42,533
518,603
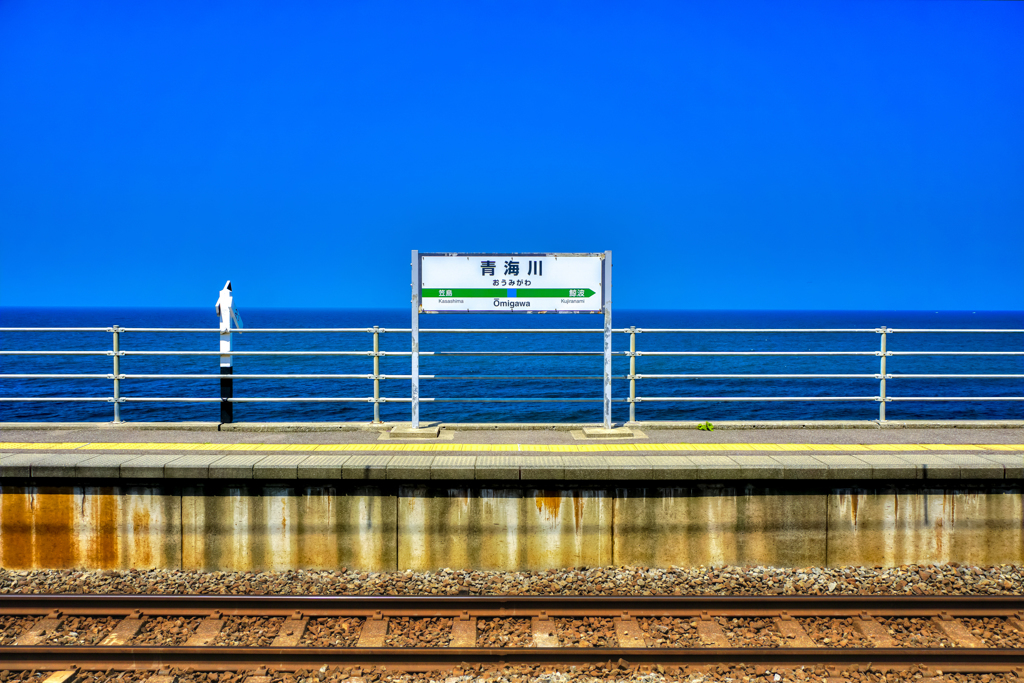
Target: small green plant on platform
706,427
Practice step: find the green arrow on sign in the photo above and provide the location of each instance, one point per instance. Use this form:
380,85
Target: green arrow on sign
502,293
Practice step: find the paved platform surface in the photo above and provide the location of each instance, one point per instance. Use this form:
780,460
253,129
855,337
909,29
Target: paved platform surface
94,452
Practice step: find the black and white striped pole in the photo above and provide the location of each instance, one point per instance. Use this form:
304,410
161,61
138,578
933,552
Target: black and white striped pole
228,315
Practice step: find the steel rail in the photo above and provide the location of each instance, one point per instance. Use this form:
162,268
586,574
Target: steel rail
514,605
428,659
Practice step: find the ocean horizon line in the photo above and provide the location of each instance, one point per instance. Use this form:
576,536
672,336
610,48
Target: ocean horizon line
406,309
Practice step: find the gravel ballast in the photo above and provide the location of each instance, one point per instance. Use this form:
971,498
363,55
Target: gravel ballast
248,632
332,632
614,671
747,632
906,580
80,631
411,632
166,631
670,632
586,632
829,632
504,632
910,632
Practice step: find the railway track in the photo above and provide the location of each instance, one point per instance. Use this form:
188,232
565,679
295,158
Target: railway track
883,632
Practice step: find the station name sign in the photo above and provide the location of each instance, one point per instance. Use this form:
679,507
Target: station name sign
512,283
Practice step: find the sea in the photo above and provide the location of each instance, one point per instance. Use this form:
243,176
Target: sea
514,388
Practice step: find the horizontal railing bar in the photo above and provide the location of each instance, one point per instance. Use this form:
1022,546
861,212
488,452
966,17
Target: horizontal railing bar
208,330
237,330
518,353
173,399
259,353
753,376
757,353
218,376
470,330
754,330
321,330
954,398
514,376
332,376
901,376
54,329
58,398
681,330
956,353
757,398
56,353
69,376
522,400
965,331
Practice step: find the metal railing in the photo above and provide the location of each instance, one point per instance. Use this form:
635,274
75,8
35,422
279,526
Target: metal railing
882,376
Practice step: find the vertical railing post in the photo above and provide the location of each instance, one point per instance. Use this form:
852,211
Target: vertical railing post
881,382
632,374
415,364
228,315
227,388
117,374
607,286
376,375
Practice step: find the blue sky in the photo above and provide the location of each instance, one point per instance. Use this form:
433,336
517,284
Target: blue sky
771,155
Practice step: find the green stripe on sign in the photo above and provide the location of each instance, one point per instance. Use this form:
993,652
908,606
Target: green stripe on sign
521,293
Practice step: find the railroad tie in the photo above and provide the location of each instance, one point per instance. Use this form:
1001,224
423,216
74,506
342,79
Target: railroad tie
125,629
61,676
1017,621
207,631
873,631
41,629
793,632
956,631
374,629
260,675
292,630
930,675
463,631
628,632
833,675
710,632
543,628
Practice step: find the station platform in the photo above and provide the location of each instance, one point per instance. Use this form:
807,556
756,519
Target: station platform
278,497
510,454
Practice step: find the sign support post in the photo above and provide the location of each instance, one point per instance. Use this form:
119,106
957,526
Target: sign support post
607,339
415,365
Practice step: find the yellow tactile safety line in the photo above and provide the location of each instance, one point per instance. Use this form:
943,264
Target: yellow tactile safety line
535,448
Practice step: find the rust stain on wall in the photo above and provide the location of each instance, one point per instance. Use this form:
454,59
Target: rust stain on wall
15,527
549,503
53,528
107,539
142,547
577,509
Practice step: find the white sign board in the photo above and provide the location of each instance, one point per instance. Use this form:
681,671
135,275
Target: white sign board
512,283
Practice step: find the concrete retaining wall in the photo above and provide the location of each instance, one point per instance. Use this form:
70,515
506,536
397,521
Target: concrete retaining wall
276,526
